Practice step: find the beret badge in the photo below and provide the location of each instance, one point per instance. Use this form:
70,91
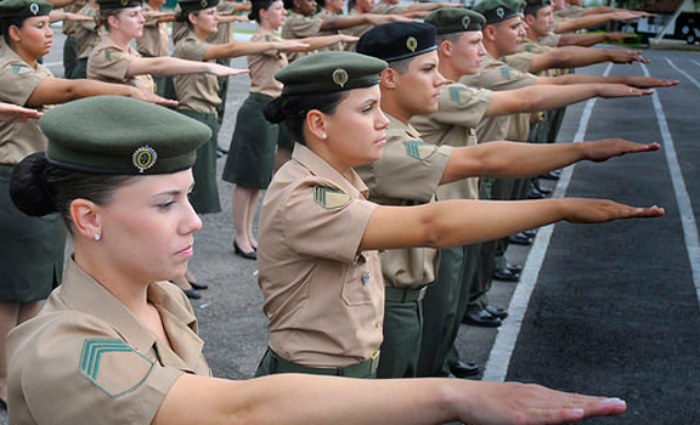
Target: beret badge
204,4
500,12
340,77
466,21
144,158
412,43
124,2
34,8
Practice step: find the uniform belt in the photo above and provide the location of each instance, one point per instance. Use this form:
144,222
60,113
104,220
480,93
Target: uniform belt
404,295
365,369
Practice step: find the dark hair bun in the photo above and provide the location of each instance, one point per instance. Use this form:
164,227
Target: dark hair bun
28,187
273,111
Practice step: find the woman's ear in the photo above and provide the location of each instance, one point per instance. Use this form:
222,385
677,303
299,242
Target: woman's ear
316,124
14,33
86,218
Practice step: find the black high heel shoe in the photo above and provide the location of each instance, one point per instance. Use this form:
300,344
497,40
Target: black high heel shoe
199,285
252,255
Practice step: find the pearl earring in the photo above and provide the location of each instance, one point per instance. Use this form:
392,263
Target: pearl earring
97,237
324,135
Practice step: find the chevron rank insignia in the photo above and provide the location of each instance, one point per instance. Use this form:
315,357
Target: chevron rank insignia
420,150
461,95
114,366
112,54
510,73
329,198
21,69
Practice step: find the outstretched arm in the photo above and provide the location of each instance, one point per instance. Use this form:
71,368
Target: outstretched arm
13,113
166,65
596,20
574,57
630,80
242,48
320,42
587,40
290,399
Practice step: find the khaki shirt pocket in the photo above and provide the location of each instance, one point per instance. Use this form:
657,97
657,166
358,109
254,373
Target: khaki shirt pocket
357,283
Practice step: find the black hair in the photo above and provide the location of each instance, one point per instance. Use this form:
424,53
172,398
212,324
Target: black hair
103,16
38,187
257,6
291,110
182,15
7,22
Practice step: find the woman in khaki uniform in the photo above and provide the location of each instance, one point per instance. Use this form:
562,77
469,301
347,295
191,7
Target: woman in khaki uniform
31,248
254,139
87,35
319,236
125,342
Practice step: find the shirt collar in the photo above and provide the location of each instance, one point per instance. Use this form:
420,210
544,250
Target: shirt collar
321,168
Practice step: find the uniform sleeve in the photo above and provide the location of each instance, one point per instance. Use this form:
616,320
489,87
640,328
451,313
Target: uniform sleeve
462,105
550,40
500,77
190,49
19,81
408,170
520,61
108,64
305,27
322,221
79,371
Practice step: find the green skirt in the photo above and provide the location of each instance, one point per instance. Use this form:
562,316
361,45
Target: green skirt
31,249
252,155
205,195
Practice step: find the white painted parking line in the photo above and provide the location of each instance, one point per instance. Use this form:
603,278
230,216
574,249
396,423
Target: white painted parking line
685,74
695,62
496,368
685,208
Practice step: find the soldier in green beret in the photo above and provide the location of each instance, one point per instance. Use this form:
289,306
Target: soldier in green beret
31,249
124,340
460,110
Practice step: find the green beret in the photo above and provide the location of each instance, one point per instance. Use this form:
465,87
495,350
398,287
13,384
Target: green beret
532,6
498,10
455,19
328,72
188,6
398,40
118,4
120,135
24,8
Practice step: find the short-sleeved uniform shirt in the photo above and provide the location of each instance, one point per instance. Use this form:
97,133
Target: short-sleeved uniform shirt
460,110
196,92
86,34
550,40
408,173
263,67
68,25
324,299
224,34
298,26
386,8
519,126
86,359
570,11
326,15
357,31
110,63
154,41
19,80
495,75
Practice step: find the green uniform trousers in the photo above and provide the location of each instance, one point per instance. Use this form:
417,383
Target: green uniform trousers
403,326
272,364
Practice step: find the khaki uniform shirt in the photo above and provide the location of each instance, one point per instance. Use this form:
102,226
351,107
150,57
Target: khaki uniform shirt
357,31
86,359
18,81
225,32
263,67
460,110
519,126
68,25
154,41
326,15
408,173
196,92
86,34
324,300
550,40
299,26
496,76
386,8
110,62
570,12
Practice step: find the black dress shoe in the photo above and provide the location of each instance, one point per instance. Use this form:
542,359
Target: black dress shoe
199,285
222,151
552,175
506,275
542,190
483,319
530,233
192,294
462,369
535,194
252,255
501,313
520,239
515,268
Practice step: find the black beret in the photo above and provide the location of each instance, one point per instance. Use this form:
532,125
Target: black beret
455,19
328,72
532,6
498,10
118,4
195,5
120,135
398,40
24,8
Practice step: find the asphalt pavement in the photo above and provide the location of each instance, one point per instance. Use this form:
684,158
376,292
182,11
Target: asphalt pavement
609,309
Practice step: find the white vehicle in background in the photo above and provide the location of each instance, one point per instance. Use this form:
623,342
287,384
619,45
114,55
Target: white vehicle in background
679,20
